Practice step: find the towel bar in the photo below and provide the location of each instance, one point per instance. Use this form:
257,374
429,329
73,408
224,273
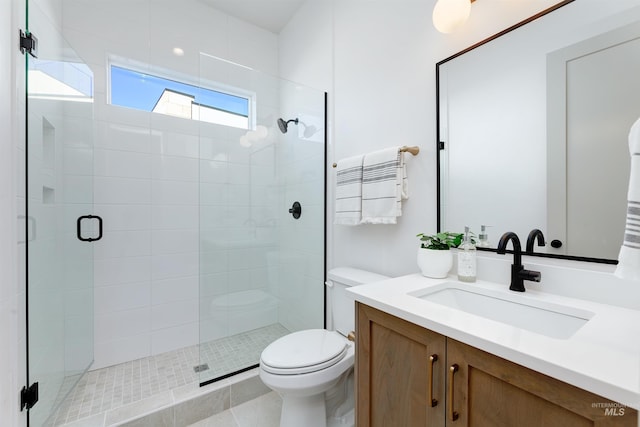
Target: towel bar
413,150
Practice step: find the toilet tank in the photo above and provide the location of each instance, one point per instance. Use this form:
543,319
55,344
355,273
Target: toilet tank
341,304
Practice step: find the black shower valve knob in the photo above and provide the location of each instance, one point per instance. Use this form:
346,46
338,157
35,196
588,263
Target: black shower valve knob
296,210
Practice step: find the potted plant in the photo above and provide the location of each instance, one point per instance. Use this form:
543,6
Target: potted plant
434,257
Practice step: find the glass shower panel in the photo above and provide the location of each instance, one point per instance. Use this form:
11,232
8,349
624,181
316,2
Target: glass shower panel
59,191
261,270
300,257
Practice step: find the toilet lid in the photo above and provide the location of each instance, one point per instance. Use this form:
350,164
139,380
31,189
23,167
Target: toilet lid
303,352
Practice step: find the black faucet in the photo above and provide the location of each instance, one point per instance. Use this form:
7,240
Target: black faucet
535,233
518,273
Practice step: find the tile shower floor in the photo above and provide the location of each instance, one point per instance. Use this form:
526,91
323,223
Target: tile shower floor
108,388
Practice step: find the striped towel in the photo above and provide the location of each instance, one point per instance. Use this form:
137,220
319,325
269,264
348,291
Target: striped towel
384,186
629,257
348,203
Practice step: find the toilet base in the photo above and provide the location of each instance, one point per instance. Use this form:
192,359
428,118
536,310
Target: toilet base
307,411
308,398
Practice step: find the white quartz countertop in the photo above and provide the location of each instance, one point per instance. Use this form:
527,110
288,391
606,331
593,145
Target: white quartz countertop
602,357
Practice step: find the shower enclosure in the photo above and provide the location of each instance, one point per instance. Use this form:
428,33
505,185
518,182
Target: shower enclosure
261,268
156,233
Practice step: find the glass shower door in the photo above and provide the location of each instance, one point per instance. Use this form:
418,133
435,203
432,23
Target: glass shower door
261,266
59,207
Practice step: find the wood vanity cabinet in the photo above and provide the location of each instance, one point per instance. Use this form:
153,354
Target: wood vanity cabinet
392,372
409,376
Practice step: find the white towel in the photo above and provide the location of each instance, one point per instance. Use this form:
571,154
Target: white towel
629,257
384,186
348,203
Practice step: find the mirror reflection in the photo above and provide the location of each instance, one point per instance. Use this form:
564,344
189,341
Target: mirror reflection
535,124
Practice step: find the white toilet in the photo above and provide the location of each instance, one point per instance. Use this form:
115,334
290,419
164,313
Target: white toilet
312,370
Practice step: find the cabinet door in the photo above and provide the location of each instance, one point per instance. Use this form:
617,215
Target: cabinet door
488,391
394,359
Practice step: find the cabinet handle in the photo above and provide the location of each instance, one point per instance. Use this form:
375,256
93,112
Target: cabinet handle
432,360
453,415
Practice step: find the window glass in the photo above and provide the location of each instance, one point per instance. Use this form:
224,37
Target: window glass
142,91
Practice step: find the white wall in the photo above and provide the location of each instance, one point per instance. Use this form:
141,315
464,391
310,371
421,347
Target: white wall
382,76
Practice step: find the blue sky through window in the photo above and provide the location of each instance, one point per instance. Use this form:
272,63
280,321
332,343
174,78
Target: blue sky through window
141,91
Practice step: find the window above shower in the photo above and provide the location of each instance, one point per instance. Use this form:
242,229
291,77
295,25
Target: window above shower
145,88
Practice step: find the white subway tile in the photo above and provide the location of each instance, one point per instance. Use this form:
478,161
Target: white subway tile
164,340
174,265
260,278
169,290
111,352
175,192
213,194
177,144
213,329
125,164
114,271
213,284
124,217
164,242
240,258
240,174
239,195
174,217
212,262
80,137
134,137
109,299
214,171
239,280
173,314
109,190
175,168
76,189
122,324
212,218
78,161
213,145
116,244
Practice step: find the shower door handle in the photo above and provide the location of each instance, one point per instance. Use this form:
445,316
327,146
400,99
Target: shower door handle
79,228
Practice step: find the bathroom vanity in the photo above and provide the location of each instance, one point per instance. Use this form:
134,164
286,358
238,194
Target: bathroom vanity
427,354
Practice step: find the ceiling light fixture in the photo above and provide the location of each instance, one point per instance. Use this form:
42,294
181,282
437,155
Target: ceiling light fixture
449,15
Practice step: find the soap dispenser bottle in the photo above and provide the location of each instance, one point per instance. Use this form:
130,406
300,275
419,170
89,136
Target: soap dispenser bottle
467,259
483,237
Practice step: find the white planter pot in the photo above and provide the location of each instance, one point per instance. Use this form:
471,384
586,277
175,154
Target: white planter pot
435,264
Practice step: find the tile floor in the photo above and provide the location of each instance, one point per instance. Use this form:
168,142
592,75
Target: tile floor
116,386
263,411
237,352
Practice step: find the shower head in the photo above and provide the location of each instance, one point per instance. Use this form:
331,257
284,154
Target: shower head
284,126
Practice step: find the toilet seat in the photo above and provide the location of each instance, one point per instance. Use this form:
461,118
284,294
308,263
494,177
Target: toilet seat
304,352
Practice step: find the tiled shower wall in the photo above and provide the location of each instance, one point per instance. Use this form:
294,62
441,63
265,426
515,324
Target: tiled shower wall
147,169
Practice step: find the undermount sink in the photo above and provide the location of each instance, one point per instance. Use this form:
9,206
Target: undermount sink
546,318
